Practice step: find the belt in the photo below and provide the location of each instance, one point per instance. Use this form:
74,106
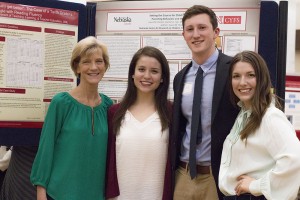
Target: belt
200,169
244,197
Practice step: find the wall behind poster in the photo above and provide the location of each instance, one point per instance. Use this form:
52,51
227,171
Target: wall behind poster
127,26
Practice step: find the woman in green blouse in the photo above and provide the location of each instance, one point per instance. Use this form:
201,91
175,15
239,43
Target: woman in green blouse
71,159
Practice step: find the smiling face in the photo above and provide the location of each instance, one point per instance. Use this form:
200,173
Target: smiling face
244,82
91,67
199,35
147,75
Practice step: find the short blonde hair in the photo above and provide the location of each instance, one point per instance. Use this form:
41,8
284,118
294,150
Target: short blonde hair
85,47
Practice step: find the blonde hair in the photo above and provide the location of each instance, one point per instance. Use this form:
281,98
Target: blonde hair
87,46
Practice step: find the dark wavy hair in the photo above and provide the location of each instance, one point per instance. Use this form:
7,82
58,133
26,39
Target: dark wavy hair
263,95
161,93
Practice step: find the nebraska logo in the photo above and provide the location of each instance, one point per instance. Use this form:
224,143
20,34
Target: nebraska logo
122,19
229,19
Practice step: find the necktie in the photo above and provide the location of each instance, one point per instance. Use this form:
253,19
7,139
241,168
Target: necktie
196,130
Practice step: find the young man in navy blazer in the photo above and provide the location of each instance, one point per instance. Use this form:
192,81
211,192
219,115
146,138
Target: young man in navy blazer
200,29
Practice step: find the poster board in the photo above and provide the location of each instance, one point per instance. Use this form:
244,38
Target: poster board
36,42
292,101
127,26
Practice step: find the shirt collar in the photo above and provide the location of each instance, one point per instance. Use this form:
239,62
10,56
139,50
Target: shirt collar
243,109
208,64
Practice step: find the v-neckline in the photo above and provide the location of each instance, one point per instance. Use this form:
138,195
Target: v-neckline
146,119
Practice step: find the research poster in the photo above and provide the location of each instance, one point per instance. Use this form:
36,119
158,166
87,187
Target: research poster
292,101
35,49
125,27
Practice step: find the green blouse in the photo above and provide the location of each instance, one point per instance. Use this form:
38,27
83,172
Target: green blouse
71,158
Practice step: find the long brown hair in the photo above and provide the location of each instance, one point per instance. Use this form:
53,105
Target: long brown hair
161,93
262,97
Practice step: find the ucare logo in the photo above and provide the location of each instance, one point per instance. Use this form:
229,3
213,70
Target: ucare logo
122,19
229,19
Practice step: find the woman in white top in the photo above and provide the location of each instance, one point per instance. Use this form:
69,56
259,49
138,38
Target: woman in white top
261,155
137,164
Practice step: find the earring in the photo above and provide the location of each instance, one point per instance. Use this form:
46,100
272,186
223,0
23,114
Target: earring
162,80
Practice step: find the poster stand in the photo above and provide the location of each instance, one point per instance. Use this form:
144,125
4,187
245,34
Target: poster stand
269,43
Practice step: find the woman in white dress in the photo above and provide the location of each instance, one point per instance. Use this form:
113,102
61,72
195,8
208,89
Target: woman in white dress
261,155
137,164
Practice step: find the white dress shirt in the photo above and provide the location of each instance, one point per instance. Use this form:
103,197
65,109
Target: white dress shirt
271,156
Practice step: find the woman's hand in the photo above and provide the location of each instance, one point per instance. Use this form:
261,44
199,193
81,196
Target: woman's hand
41,193
243,184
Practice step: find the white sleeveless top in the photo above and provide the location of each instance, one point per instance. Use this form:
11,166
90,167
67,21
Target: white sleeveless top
141,153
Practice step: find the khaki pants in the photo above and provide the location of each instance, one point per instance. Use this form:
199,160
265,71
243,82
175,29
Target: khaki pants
203,187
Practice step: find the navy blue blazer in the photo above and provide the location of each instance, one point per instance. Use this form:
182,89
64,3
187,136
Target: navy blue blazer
222,118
